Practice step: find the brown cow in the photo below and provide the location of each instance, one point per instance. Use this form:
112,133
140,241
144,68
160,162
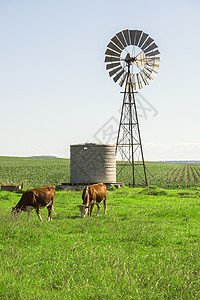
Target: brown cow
35,199
92,194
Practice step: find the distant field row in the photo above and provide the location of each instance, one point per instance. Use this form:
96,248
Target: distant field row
174,175
41,171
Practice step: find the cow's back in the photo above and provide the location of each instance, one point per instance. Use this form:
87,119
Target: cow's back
42,191
98,191
44,195
38,197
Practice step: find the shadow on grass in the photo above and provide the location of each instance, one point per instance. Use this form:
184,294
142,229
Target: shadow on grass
62,216
73,217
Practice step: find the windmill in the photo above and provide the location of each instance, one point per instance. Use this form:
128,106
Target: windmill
131,58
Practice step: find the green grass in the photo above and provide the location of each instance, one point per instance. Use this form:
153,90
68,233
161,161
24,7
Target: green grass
146,247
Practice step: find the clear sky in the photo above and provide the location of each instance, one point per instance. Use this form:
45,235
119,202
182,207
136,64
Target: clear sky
55,90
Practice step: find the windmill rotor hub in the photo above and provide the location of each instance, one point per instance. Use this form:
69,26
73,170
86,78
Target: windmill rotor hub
130,60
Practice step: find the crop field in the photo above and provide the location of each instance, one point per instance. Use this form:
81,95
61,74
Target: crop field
146,247
174,175
33,172
41,171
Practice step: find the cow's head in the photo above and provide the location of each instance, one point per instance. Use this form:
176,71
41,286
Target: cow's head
15,211
83,210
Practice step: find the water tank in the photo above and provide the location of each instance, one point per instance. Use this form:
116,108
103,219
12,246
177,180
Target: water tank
92,163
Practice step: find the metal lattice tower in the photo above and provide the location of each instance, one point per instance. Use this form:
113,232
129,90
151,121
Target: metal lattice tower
131,58
129,144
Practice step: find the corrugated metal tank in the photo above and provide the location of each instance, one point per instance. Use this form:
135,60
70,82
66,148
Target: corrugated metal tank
92,163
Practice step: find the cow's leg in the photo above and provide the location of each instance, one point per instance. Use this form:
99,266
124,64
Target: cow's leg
98,208
50,212
28,209
105,206
38,213
91,209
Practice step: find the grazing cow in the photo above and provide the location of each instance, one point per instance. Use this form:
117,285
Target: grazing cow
92,194
35,199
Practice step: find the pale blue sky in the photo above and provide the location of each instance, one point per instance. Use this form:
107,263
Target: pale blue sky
55,90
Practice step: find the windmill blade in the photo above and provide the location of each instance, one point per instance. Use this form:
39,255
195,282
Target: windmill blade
152,60
121,38
113,47
153,65
156,66
148,69
154,72
157,59
139,81
111,73
153,53
147,43
140,59
143,39
147,74
144,79
153,46
126,35
123,79
151,71
110,52
117,42
118,75
113,65
134,85
111,58
132,36
137,36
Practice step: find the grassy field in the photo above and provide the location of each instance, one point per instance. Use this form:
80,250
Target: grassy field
146,247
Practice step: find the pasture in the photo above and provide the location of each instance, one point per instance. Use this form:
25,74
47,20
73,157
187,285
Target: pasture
146,247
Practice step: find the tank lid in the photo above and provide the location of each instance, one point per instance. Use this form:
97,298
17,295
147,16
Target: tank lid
93,144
